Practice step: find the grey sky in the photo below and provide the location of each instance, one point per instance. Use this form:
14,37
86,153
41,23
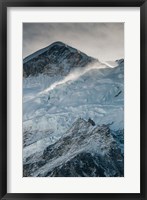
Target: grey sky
104,41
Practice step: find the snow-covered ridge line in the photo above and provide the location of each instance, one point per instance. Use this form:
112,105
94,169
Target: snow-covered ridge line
40,51
81,138
33,55
110,65
74,75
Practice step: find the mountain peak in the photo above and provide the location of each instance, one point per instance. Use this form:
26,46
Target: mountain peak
57,58
120,61
57,43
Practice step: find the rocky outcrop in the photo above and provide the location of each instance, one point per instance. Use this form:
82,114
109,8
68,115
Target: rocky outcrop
83,151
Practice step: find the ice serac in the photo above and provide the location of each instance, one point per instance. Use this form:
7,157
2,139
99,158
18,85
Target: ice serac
84,151
57,58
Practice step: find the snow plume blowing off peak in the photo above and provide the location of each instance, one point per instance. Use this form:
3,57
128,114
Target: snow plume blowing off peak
75,74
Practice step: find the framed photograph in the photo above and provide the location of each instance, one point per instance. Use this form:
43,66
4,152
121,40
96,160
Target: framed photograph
73,99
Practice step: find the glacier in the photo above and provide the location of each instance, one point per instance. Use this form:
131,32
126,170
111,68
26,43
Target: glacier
58,101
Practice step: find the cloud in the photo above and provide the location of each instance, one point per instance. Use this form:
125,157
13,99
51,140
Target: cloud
104,41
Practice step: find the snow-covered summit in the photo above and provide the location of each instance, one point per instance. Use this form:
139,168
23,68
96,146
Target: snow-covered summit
37,53
57,58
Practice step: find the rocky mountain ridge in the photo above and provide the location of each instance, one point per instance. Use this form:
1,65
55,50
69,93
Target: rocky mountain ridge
84,150
57,58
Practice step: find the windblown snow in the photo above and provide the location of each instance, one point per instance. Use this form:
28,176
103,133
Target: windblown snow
51,104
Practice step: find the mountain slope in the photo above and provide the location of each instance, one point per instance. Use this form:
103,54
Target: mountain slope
57,58
73,114
84,150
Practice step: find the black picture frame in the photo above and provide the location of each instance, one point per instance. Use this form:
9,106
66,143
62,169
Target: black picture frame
4,4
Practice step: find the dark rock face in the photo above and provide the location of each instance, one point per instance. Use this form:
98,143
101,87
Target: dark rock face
91,121
120,61
89,165
84,151
58,58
